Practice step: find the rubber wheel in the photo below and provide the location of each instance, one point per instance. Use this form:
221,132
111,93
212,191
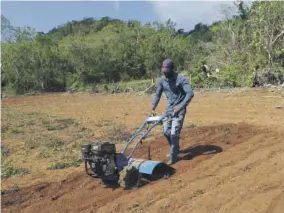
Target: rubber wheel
128,177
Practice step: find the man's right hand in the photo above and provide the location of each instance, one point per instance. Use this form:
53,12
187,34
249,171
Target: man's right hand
153,113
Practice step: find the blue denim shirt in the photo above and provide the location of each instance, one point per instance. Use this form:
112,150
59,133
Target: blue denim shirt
177,90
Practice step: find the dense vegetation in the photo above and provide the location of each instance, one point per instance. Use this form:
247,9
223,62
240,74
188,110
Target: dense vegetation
91,52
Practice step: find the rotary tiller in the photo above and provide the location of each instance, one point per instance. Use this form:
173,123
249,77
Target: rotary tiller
102,161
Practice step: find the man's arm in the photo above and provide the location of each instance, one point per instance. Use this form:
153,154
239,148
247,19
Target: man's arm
158,95
189,93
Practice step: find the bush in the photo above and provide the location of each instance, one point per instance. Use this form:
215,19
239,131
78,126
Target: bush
270,75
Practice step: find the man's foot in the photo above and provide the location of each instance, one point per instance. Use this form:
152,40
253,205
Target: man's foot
168,155
171,162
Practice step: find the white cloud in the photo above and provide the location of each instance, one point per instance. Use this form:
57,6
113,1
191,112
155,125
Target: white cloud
186,14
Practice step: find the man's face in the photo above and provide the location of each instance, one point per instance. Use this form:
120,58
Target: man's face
168,74
168,68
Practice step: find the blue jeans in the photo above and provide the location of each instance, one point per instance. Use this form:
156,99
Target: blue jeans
172,128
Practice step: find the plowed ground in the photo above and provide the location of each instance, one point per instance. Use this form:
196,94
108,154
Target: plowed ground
232,159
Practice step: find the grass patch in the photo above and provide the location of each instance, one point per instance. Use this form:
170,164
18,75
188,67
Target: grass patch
104,123
53,142
58,124
40,139
227,130
118,132
13,189
63,165
16,131
44,140
44,154
199,191
9,170
50,139
114,132
4,152
33,142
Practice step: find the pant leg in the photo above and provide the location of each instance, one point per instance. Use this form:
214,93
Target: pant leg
167,125
177,124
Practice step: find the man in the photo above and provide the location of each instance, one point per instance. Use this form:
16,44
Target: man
205,69
178,93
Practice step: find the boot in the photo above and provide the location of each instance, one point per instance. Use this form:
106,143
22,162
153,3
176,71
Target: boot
171,162
168,155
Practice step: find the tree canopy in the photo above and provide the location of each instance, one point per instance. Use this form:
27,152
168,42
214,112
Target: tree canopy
91,51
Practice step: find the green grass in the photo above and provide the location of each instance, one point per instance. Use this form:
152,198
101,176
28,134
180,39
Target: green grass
200,191
8,170
14,188
58,124
227,130
63,165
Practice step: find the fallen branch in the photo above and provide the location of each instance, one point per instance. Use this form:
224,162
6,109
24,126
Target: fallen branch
151,88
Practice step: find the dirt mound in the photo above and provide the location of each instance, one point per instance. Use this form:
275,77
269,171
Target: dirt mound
223,168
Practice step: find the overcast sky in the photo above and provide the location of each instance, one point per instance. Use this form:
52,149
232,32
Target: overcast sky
43,16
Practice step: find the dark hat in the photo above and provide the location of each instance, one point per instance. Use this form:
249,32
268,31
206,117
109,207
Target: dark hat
167,66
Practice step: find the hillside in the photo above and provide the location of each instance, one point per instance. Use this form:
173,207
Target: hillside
246,50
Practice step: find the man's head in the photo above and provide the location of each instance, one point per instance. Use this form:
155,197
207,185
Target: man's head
168,68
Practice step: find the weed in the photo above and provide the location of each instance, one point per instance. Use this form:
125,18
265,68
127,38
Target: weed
58,124
199,191
53,142
4,152
15,188
9,170
104,123
17,131
62,165
3,191
4,128
32,143
116,133
83,129
227,130
44,154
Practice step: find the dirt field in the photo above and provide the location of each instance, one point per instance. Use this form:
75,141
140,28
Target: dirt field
233,160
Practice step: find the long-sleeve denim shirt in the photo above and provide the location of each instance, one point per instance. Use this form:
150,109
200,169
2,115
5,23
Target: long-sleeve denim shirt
177,90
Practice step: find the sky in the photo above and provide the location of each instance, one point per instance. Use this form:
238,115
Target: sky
45,15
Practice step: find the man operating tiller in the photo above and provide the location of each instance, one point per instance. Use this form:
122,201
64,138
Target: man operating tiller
179,94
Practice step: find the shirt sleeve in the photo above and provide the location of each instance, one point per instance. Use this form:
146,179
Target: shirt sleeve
158,95
189,93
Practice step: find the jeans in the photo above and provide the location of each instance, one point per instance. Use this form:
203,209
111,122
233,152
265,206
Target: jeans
172,128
